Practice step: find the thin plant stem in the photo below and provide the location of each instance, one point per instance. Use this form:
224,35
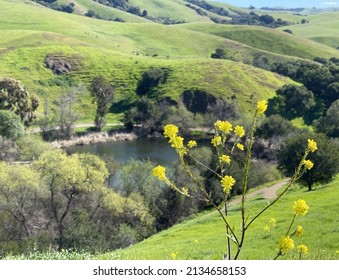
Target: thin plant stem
290,183
188,170
244,185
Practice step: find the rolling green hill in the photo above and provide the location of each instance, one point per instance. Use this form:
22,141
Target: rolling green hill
121,52
203,237
322,28
267,39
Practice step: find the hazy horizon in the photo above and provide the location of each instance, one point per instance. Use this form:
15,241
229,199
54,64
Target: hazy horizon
285,4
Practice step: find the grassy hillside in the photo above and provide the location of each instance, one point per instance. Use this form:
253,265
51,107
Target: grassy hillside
267,39
121,52
203,237
322,28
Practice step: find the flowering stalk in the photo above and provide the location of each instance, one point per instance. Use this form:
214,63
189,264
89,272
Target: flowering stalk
300,208
222,131
312,147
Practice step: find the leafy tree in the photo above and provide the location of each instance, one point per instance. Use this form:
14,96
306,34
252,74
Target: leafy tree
291,102
325,159
221,110
151,116
15,98
11,126
180,117
274,126
329,124
18,192
150,80
103,94
31,147
267,19
221,54
66,112
331,94
67,178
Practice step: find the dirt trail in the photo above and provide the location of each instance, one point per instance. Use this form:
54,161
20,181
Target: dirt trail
267,193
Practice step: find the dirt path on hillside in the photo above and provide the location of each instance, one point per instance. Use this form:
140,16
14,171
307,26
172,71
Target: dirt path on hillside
267,193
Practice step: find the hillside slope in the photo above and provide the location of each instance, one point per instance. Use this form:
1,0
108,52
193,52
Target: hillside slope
267,39
121,52
203,237
322,28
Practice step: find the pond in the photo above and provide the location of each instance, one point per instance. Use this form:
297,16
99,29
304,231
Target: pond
155,150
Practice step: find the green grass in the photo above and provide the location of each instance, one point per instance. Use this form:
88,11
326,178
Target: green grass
121,52
322,28
320,224
267,39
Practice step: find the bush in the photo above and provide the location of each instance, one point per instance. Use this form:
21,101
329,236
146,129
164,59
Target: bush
325,159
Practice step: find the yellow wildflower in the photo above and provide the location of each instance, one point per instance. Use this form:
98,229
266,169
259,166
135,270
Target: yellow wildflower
173,256
192,144
308,164
184,191
272,221
239,131
223,126
225,158
160,172
240,146
300,207
227,182
261,106
216,141
170,131
299,231
302,249
286,243
267,229
312,145
177,142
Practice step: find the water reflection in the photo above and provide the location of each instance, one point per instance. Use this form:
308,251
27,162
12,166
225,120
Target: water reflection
157,151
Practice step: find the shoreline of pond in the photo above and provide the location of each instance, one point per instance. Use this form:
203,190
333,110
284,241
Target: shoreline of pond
104,137
94,138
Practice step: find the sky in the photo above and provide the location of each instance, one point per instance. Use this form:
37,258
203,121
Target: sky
283,3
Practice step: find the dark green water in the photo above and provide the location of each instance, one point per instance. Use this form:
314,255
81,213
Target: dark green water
157,151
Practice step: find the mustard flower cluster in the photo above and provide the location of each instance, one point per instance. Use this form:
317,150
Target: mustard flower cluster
302,249
227,183
299,231
191,144
286,244
239,131
300,207
273,221
267,229
225,159
160,173
308,164
171,131
261,106
223,126
216,141
174,255
177,142
240,146
312,146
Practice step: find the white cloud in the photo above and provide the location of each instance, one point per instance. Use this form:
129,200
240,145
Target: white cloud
329,3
